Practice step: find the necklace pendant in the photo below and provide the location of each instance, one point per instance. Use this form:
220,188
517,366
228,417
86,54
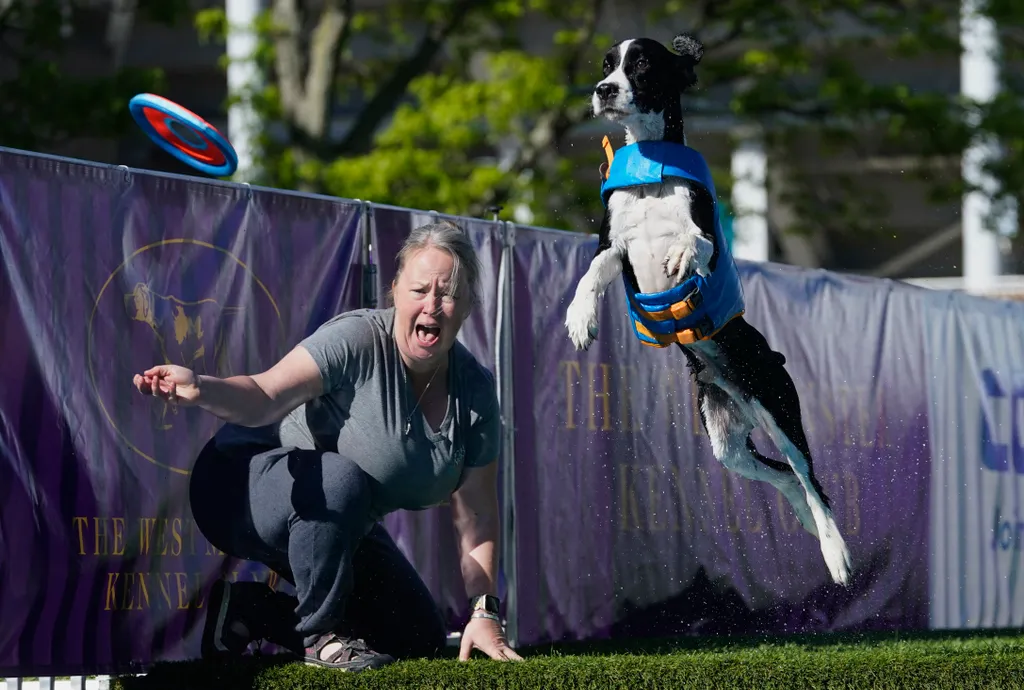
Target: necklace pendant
408,426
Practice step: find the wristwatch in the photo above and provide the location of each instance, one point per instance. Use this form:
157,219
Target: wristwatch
484,602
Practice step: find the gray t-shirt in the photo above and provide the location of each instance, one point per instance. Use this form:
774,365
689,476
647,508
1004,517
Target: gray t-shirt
367,401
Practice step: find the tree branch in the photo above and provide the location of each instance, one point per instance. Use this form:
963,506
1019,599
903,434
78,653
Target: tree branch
708,13
735,31
327,42
551,127
572,63
358,140
287,58
9,50
308,102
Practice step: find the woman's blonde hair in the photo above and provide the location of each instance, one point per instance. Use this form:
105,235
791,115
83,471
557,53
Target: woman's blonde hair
447,236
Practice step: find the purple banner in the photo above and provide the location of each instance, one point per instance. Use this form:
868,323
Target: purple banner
106,272
427,537
624,523
628,526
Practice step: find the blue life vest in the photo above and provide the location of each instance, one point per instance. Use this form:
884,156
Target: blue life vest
698,307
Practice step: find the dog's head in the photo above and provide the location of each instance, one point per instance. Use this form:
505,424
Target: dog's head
642,83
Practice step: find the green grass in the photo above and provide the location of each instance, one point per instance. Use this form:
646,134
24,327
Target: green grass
931,660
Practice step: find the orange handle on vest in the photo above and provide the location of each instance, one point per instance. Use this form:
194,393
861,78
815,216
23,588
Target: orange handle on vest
609,153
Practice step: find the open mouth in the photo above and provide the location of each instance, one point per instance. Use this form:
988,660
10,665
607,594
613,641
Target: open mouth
427,336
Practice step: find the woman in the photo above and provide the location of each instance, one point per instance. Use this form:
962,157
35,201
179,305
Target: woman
378,410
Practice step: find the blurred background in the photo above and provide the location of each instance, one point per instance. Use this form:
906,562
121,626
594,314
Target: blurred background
880,138
839,130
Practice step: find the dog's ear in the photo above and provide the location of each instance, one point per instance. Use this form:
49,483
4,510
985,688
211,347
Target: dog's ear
691,51
689,47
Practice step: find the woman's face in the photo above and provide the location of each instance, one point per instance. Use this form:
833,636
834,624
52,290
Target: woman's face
427,319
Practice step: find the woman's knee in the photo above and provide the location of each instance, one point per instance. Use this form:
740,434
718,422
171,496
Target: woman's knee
224,506
329,482
214,497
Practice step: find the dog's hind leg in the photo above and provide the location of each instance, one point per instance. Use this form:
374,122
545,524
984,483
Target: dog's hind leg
790,488
729,427
779,415
755,378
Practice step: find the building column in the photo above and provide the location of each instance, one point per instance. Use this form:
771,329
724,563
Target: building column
243,76
750,196
983,244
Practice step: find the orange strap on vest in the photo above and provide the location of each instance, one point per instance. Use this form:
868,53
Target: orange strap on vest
609,153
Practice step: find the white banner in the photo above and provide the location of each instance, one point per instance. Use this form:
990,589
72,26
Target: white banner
975,361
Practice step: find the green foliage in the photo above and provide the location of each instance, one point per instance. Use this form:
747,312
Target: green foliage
429,154
43,103
485,121
480,120
212,24
815,662
449,140
805,73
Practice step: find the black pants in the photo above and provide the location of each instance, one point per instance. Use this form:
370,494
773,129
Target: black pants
305,515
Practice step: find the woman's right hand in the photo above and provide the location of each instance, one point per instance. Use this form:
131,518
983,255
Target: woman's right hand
169,382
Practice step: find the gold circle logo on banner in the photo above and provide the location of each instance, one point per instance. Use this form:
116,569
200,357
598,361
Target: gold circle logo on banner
152,325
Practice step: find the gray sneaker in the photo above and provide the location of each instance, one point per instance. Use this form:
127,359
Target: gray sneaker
346,654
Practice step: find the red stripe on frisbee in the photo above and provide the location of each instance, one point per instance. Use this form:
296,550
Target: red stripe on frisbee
210,155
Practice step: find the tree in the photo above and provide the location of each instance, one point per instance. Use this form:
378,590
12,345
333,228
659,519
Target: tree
802,78
459,120
43,103
458,116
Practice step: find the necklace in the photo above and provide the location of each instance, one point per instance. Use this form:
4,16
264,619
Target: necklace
408,420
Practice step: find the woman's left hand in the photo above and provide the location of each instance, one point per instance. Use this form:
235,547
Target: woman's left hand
487,636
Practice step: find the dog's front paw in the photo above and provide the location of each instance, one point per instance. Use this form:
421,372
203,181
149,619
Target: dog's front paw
581,321
687,257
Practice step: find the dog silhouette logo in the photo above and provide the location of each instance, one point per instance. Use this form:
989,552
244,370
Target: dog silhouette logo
188,333
183,302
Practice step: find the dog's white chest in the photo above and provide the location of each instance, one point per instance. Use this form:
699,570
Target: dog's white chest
648,221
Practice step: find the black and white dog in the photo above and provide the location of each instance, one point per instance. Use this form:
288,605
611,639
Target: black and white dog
659,235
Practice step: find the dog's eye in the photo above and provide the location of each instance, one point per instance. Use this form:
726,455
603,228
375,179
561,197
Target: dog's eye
641,63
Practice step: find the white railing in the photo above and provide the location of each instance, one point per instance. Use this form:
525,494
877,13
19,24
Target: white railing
73,683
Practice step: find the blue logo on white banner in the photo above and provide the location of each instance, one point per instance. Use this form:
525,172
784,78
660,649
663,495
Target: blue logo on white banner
1002,421
975,351
1001,447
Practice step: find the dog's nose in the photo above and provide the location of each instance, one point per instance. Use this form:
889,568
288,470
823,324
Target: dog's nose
606,91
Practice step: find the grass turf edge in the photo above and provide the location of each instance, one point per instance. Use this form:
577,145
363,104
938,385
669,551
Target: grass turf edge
781,667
